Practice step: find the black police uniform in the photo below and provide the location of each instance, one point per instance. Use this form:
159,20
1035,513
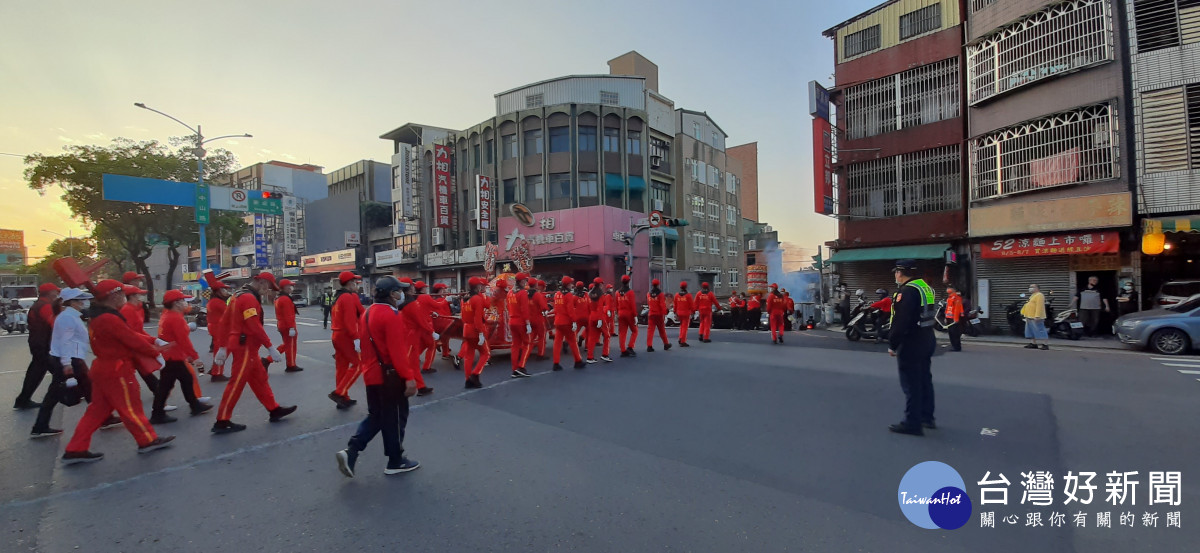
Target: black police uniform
912,339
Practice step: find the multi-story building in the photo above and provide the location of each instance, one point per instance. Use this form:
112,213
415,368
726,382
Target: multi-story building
709,188
1164,51
407,197
1049,166
747,155
899,137
356,217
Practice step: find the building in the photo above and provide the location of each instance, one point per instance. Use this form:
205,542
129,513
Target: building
709,188
347,229
747,156
1049,164
1164,51
895,165
408,197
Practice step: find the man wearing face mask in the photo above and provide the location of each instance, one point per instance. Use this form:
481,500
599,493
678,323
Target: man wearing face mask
1127,299
1091,303
912,343
68,350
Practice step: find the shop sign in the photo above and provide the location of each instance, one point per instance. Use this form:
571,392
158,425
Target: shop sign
327,259
441,186
395,257
437,259
1100,262
474,254
1057,244
1063,214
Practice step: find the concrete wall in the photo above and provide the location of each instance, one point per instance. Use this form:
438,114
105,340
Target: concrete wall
326,222
747,156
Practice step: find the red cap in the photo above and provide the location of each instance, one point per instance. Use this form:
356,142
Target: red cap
610,287
132,290
683,284
475,281
439,286
655,282
285,282
48,287
773,285
597,280
347,276
704,285
419,285
580,284
502,284
130,276
407,281
625,278
107,286
522,276
269,278
172,295
567,281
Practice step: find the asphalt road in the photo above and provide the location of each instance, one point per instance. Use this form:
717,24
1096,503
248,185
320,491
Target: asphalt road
734,445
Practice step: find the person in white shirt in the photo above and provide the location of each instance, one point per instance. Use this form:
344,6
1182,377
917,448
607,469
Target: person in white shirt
69,348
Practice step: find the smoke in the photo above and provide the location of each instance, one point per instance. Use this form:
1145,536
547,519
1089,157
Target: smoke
802,285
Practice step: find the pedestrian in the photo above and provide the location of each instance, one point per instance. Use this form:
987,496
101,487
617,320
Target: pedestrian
474,333
173,329
1127,299
610,322
389,372
656,303
41,325
954,317
626,318
598,313
137,280
912,343
429,342
1034,312
442,309
117,349
347,309
683,310
327,300
218,304
775,310
883,312
753,312
844,304
418,320
565,326
285,321
246,337
789,309
705,301
581,310
519,323
68,353
134,313
737,310
1091,303
539,311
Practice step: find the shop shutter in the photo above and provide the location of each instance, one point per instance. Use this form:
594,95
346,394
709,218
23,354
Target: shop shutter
1165,130
1009,278
873,275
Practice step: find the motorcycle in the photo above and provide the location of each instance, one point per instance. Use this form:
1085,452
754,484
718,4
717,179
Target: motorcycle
973,328
1064,325
670,320
863,324
1067,325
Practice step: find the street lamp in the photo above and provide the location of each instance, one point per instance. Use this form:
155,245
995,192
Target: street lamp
199,153
68,236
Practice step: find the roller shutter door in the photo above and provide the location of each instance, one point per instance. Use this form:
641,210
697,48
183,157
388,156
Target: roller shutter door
1009,278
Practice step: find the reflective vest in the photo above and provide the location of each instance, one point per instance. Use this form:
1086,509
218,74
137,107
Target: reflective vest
928,307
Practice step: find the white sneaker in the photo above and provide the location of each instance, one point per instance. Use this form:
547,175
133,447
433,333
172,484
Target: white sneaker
204,399
591,361
606,358
170,408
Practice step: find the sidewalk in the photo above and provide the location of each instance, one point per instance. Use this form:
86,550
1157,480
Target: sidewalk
1093,343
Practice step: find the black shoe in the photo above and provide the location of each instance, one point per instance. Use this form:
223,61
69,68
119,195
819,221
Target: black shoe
781,339
278,413
1031,346
202,409
346,459
219,378
424,391
25,405
649,349
684,345
1045,347
226,427
428,371
158,443
557,367
397,466
902,428
580,364
631,352
457,363
666,347
293,369
111,422
520,373
930,425
44,433
73,457
473,383
161,418
342,402
625,353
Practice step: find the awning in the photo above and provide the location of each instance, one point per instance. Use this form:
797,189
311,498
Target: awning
614,182
1171,224
636,183
891,253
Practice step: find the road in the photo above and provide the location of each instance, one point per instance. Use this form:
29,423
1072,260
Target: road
738,444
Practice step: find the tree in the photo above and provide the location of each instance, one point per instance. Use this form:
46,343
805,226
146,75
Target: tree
133,229
82,249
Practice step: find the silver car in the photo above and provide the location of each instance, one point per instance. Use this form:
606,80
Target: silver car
1172,330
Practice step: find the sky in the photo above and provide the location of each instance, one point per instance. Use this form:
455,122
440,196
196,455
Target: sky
318,82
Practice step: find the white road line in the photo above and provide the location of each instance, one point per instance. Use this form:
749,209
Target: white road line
1184,359
1189,372
316,341
1181,365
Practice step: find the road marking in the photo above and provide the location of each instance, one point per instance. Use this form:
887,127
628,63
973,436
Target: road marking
316,341
1189,372
1184,359
988,431
11,372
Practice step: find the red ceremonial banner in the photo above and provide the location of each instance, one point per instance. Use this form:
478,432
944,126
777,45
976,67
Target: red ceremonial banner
822,143
483,199
441,186
1057,244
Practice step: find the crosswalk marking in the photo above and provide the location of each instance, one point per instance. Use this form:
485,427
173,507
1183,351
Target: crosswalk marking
1190,366
1189,372
1184,359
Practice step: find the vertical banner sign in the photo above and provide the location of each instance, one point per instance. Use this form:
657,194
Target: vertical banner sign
261,257
441,185
202,197
483,199
291,227
822,141
405,174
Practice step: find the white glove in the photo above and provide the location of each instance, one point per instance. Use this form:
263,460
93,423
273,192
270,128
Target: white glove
291,332
160,342
574,327
221,356
160,360
608,314
599,324
436,336
357,347
276,356
191,326
528,328
71,382
481,339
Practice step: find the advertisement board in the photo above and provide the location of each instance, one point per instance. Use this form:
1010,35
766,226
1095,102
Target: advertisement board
441,186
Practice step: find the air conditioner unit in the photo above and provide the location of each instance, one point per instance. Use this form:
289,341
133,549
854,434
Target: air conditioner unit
473,214
439,237
656,161
658,205
752,244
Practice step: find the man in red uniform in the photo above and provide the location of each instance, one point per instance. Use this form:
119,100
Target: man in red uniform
598,312
217,305
442,309
565,325
285,320
610,323
135,317
347,309
41,327
246,337
474,333
429,342
173,329
753,312
418,320
539,306
954,316
626,318
581,310
775,308
683,310
520,324
656,302
112,378
789,308
704,302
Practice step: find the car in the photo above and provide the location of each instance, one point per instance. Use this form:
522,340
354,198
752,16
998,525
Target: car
299,300
1170,330
1175,291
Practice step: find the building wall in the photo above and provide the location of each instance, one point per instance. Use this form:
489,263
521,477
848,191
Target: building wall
580,89
710,133
998,13
634,63
747,155
685,190
326,222
888,19
926,49
906,229
305,184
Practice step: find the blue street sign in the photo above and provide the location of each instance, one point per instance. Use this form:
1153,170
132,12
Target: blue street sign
140,190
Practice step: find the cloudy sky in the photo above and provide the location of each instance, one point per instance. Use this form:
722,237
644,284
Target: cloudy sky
318,82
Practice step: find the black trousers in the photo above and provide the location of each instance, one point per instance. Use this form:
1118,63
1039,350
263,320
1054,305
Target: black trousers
753,317
151,382
325,316
916,380
58,385
172,372
387,413
956,332
39,365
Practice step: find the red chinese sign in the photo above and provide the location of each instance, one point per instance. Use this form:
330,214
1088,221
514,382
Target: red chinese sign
822,141
1058,244
483,199
441,186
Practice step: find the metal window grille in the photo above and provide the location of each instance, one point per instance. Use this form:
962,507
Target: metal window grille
919,96
1193,107
1061,38
863,41
918,22
534,100
977,5
921,182
608,98
1065,148
1160,24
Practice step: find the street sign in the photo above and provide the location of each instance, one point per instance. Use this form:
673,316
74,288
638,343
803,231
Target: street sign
656,218
140,190
273,206
202,197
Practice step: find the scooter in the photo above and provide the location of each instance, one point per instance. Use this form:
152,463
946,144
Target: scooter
1064,325
1067,325
670,319
973,328
863,325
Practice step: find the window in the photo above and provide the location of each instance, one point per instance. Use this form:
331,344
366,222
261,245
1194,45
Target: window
717,280
714,245
533,142
1061,38
534,100
612,140
608,98
1069,147
476,159
1166,23
714,176
697,205
714,211
587,139
919,22
509,144
589,187
733,277
660,197
927,94
698,242
1171,129
699,171
860,42
562,193
696,130
490,155
660,153
977,5
731,183
731,215
731,246
634,143
716,140
560,140
535,192
510,191
397,182
920,182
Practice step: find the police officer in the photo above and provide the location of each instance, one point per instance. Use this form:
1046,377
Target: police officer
912,343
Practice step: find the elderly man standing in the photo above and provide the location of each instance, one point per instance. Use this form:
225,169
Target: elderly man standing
1090,303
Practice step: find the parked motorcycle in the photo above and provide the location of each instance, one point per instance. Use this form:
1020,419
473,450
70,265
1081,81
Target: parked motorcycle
669,320
1067,325
1063,325
863,324
973,324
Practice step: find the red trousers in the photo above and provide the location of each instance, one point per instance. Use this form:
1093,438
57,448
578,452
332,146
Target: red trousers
430,347
685,321
520,345
247,368
627,323
564,334
216,369
538,339
288,347
705,325
122,394
595,335
345,360
470,345
656,322
776,321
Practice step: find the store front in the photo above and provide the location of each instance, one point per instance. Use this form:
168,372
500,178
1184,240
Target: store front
320,271
870,269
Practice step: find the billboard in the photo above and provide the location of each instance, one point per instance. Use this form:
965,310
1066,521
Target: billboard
483,199
12,249
822,140
261,254
441,186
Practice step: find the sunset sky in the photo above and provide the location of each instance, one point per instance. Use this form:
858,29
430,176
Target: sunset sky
318,82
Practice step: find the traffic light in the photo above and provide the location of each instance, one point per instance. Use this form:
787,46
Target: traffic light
272,195
675,222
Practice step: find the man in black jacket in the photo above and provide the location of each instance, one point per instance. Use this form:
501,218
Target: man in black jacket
912,343
41,324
